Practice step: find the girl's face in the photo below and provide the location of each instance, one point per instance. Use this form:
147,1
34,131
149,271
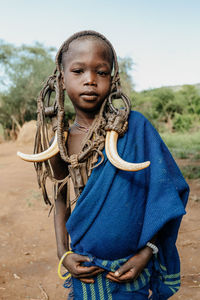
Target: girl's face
87,74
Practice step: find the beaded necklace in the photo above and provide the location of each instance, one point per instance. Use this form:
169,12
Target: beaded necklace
80,127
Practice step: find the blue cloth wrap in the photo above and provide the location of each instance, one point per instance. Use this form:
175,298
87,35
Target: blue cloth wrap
118,212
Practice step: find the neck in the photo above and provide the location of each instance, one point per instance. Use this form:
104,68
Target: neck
85,119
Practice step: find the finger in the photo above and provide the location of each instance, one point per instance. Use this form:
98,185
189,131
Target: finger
85,270
91,274
127,277
123,269
112,278
87,280
130,275
74,259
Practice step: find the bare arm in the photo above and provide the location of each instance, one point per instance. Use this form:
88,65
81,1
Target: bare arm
72,262
61,215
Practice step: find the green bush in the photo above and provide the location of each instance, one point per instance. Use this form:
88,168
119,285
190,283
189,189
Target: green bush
182,122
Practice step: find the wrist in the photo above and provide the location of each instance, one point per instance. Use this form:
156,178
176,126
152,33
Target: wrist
147,252
60,263
61,251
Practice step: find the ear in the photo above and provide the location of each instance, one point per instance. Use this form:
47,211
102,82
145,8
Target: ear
63,80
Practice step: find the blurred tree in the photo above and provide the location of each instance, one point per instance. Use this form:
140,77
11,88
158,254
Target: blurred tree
24,70
182,122
125,66
159,105
169,109
190,99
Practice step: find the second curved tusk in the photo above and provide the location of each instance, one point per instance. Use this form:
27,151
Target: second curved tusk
115,159
39,157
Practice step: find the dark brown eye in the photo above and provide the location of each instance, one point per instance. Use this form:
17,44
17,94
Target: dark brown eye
102,73
77,71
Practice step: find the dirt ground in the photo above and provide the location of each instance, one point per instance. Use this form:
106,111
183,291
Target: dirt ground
28,262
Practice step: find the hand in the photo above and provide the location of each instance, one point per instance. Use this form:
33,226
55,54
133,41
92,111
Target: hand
73,263
132,268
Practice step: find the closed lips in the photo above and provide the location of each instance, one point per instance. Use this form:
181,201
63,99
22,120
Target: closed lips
89,93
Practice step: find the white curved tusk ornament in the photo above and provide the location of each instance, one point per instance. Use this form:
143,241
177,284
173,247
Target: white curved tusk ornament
115,159
39,157
110,147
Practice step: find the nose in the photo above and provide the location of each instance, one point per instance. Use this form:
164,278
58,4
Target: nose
90,78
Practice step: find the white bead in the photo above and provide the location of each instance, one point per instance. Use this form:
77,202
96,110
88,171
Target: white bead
153,247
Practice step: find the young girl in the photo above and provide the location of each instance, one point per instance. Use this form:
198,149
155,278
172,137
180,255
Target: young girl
122,214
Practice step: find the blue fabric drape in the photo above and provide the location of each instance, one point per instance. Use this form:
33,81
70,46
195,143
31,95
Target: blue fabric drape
118,212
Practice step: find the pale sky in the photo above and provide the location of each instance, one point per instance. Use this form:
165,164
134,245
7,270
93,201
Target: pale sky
162,37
